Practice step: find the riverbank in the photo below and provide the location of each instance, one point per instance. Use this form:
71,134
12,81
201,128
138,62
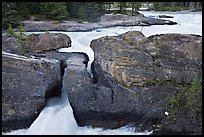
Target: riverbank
108,20
83,38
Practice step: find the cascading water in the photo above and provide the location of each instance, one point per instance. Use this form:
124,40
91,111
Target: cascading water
57,117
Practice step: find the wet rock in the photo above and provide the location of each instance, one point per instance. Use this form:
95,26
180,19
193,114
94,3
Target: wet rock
10,45
26,84
109,105
132,60
122,62
35,43
62,57
46,42
150,67
92,104
165,16
39,25
107,20
111,20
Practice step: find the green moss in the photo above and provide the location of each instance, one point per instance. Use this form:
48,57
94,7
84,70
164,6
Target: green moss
193,101
160,82
23,53
187,102
156,43
174,104
174,100
126,85
196,86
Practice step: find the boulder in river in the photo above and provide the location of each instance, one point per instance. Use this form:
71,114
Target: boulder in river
26,84
36,43
165,16
46,42
152,83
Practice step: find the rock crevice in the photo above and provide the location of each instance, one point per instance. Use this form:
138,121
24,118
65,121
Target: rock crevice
136,81
155,73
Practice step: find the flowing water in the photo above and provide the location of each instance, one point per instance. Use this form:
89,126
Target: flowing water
57,117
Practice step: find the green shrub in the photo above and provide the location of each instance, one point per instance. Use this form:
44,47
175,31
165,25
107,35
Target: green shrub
10,31
194,97
20,35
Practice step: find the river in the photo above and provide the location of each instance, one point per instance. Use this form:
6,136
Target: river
57,117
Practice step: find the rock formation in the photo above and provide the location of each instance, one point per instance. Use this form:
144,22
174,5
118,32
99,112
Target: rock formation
151,83
26,84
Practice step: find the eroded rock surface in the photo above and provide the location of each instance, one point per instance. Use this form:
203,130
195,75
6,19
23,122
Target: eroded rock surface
26,84
36,43
158,75
132,59
152,83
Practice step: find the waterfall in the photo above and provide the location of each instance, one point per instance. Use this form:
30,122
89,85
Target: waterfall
57,117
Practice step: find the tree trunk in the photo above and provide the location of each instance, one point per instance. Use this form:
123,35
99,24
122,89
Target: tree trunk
197,6
133,8
186,4
109,7
192,6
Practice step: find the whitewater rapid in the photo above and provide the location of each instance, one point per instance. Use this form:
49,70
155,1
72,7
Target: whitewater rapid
57,117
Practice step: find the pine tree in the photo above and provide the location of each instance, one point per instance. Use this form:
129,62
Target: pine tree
9,14
91,11
53,10
10,30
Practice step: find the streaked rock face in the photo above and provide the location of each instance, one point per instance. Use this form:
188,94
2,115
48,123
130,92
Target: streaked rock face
158,73
132,59
28,81
47,42
136,80
26,84
36,43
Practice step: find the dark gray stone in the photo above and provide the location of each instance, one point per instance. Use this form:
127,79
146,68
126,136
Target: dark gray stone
26,84
159,70
107,20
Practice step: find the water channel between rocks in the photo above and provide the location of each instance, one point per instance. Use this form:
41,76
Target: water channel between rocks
57,117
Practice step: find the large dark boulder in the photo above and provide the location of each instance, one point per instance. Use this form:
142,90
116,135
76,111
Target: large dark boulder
138,60
28,81
163,71
26,84
110,20
109,105
47,42
88,100
35,43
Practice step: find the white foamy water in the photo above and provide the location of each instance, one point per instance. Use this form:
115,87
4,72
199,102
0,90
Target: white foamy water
57,117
